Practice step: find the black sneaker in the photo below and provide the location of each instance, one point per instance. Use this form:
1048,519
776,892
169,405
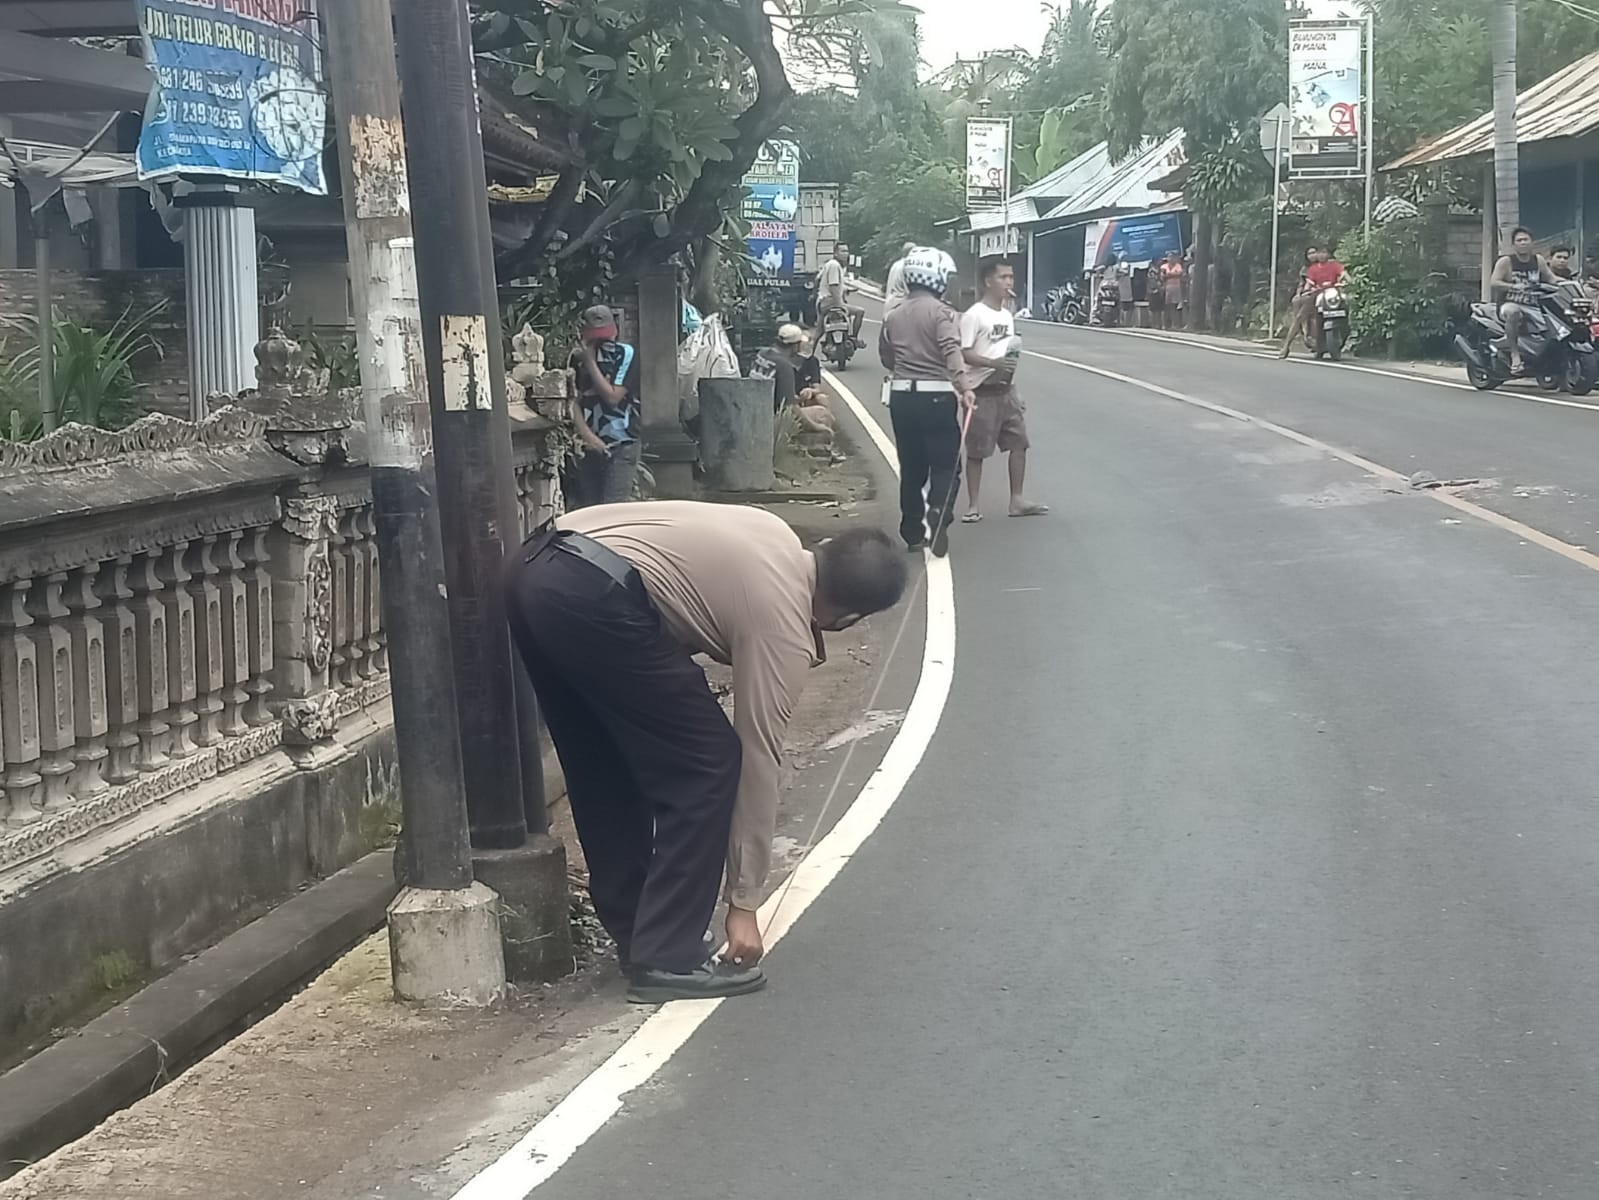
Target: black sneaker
706,982
941,542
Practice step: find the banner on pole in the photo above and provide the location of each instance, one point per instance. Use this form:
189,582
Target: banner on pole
1326,97
771,203
987,163
238,92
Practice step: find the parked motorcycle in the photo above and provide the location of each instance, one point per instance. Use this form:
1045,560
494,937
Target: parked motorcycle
1328,334
1110,303
1557,342
1065,304
837,342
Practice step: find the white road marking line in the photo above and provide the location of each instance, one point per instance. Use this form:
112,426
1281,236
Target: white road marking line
1240,352
552,1142
1537,537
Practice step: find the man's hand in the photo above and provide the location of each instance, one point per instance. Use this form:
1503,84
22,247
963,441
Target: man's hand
744,945
969,401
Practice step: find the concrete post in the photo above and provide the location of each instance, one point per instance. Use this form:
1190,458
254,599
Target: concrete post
220,285
670,451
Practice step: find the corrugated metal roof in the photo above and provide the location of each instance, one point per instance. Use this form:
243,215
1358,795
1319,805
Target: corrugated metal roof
1564,105
1126,185
1088,183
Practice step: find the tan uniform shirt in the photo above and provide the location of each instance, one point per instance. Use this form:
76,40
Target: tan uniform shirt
921,340
734,583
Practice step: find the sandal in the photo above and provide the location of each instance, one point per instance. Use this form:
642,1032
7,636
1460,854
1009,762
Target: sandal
971,518
1031,510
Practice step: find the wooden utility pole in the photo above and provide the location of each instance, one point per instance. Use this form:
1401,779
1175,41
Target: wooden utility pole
442,937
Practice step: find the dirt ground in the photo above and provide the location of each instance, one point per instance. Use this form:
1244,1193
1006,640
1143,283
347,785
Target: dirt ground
342,1092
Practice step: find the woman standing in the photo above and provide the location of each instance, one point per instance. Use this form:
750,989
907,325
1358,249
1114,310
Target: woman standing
1172,277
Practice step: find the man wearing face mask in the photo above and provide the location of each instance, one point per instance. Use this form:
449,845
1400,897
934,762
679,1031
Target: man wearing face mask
607,608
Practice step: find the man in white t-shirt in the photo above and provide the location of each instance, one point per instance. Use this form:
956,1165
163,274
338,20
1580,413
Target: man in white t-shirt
992,346
832,291
897,290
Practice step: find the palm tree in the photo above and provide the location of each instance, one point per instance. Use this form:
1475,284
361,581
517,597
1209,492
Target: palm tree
1507,168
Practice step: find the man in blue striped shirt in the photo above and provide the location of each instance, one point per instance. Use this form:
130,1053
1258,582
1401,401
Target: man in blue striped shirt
608,395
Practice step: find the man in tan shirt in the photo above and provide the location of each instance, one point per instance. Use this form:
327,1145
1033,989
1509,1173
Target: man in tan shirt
930,386
607,609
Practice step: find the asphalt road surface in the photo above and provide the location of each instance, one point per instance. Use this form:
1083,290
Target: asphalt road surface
1255,855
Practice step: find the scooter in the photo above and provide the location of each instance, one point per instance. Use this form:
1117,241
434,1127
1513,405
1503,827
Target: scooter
1556,342
1329,333
1065,305
837,342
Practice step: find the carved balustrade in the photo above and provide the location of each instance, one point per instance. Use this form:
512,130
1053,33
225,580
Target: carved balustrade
178,600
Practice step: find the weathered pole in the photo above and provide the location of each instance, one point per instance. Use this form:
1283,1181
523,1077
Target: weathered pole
461,340
468,960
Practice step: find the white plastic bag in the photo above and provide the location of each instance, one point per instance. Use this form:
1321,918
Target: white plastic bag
705,354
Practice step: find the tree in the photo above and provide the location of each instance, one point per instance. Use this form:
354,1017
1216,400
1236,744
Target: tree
1210,68
660,106
1507,164
1067,87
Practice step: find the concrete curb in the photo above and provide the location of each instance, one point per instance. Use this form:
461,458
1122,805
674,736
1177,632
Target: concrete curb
67,1089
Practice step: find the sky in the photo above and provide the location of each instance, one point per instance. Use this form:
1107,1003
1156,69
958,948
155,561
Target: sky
950,30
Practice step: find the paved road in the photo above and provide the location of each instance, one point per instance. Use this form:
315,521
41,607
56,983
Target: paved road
1255,857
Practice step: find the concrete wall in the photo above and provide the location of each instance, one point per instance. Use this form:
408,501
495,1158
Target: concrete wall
163,897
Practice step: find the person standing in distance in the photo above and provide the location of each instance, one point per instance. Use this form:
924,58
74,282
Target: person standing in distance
929,387
895,293
608,395
992,346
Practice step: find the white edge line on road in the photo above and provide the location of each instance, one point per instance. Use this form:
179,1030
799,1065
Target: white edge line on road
552,1142
1240,352
1527,533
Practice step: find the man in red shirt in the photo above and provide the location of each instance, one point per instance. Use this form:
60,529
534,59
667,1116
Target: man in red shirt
1322,270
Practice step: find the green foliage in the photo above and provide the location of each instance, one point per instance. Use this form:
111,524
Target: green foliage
659,106
115,972
1398,302
334,353
1209,67
902,200
95,372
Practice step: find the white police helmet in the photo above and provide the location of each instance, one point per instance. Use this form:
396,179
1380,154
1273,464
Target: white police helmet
929,269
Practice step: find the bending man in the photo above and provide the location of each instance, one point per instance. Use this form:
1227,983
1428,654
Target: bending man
607,608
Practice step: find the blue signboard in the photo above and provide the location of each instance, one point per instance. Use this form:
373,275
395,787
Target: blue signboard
771,204
238,91
1139,239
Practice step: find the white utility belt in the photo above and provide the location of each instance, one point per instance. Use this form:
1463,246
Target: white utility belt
935,387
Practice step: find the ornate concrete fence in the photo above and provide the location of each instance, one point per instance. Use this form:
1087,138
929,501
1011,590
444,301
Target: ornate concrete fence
179,599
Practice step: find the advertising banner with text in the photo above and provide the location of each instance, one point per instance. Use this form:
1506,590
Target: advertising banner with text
1325,97
238,92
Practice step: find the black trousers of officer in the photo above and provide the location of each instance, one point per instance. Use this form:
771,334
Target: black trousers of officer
651,761
927,433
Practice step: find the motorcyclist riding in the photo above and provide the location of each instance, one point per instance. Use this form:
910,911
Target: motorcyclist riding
1321,271
832,292
1514,280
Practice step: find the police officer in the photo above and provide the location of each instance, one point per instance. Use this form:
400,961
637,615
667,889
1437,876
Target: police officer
930,388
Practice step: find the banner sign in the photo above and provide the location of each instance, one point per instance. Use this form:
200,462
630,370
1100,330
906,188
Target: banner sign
771,204
994,242
1138,240
1325,98
238,92
987,163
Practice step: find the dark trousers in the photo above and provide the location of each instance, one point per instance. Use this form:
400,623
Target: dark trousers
651,762
927,433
